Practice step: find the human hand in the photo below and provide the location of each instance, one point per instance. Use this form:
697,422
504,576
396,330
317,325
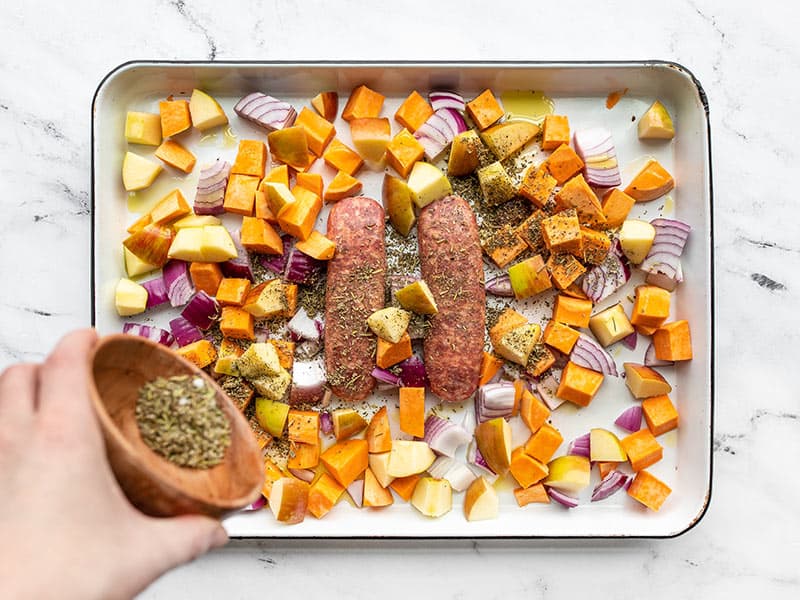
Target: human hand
67,528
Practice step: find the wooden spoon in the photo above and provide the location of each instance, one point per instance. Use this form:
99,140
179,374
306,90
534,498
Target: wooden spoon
120,365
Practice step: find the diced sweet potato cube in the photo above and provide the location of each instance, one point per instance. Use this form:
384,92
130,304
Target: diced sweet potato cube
604,468
533,411
649,490
530,231
650,307
175,117
404,486
490,365
279,174
285,350
346,460
673,341
559,336
140,223
403,151
537,185
562,232
206,277
572,311
526,469
258,236
389,354
652,182
251,158
660,414
319,132
555,131
596,245
543,444
240,194
616,206
413,112
578,384
323,495
343,158
645,330
484,110
297,218
236,323
378,434
503,246
577,194
539,360
171,207
375,495
342,186
232,291
642,449
509,319
202,353
564,269
175,155
326,104
535,493
317,246
302,455
564,164
412,411
303,426
263,209
311,181
519,389
271,474
363,102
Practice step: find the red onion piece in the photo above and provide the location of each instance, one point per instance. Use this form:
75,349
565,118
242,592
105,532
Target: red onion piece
266,111
202,310
630,341
562,498
596,147
546,389
386,377
580,446
606,278
257,505
303,327
301,267
454,120
326,422
239,267
151,333
412,372
500,286
156,292
308,382
178,283
306,475
185,333
494,400
210,194
455,472
651,360
443,436
630,419
663,280
665,253
588,353
611,483
356,491
438,131
446,99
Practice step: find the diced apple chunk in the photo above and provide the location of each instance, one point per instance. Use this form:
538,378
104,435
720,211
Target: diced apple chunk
138,172
143,128
517,344
569,474
611,325
644,382
496,185
427,184
432,497
130,298
379,463
272,415
409,458
260,359
399,205
417,297
656,124
389,323
604,446
135,266
636,237
217,245
206,112
481,501
506,138
196,221
494,442
288,500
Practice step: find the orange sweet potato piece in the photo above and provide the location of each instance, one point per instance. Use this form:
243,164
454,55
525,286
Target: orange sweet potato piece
555,131
616,206
271,474
263,209
285,350
604,468
363,102
535,493
642,449
659,414
240,194
346,460
175,155
533,411
140,223
323,495
412,411
258,236
389,354
403,151
375,496
413,112
537,185
326,104
319,131
572,311
564,164
596,245
311,181
206,277
562,232
341,157
378,433
342,186
303,426
490,365
578,384
577,194
652,182
649,490
232,291
175,117
544,443
650,307
404,486
317,246
171,207
303,456
530,231
279,174
297,218
559,336
673,341
540,360
526,469
484,110
509,319
251,158
519,389
202,353
503,246
236,323
564,270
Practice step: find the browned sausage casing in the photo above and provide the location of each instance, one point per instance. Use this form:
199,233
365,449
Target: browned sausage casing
354,290
450,258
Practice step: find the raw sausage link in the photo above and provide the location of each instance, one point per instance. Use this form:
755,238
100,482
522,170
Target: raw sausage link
354,290
450,258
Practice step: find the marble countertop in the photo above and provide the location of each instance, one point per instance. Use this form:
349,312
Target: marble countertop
53,56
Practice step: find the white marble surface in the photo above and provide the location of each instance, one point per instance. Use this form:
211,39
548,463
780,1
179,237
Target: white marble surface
747,56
